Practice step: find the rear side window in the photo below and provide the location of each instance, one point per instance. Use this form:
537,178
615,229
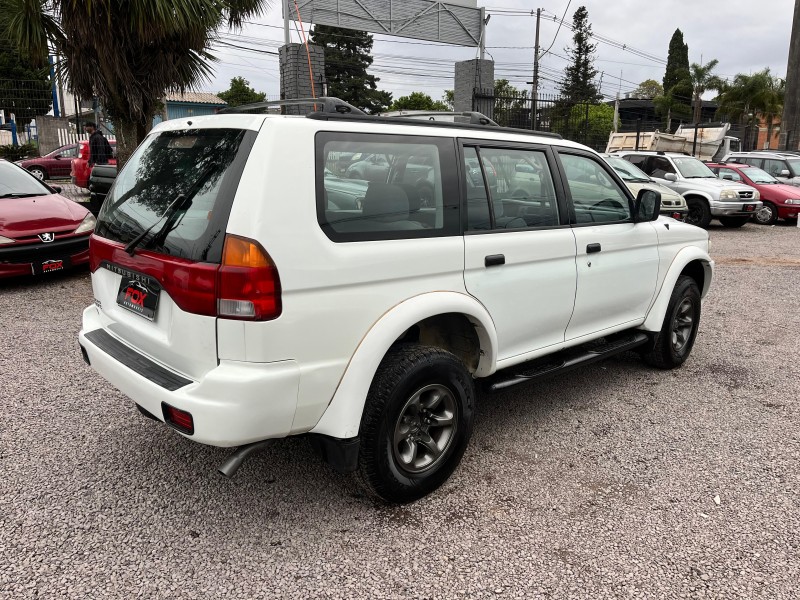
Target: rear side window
203,165
372,187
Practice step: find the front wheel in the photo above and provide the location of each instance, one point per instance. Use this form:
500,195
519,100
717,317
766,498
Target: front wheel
672,345
767,214
416,424
733,221
699,212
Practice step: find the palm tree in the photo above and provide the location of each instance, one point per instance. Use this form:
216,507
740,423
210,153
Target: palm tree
126,54
703,80
761,93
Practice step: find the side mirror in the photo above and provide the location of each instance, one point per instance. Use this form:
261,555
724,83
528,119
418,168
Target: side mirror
57,156
786,173
57,188
648,205
728,177
671,177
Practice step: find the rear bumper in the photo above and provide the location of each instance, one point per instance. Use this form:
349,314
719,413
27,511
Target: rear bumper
235,403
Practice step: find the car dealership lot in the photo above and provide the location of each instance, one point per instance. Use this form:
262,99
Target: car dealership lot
600,483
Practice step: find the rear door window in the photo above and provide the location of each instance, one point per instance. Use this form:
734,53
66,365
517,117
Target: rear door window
203,166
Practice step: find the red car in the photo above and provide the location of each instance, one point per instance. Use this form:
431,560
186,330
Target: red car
55,165
80,166
779,200
41,232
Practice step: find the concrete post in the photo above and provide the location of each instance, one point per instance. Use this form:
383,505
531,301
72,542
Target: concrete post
295,79
474,86
790,123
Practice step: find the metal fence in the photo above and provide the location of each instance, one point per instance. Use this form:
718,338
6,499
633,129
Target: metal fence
588,123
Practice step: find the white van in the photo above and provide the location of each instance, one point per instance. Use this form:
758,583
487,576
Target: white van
246,289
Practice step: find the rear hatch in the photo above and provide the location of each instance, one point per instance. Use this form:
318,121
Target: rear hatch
158,243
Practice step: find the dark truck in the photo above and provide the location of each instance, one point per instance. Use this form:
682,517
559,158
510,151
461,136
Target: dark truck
100,181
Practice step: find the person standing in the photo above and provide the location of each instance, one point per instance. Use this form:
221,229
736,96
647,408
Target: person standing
99,148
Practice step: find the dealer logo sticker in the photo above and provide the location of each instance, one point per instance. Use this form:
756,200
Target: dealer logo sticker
52,265
47,237
135,295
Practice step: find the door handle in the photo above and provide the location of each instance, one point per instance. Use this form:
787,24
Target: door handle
590,248
494,260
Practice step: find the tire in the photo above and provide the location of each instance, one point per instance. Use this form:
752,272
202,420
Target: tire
766,215
395,463
673,344
734,221
699,213
38,172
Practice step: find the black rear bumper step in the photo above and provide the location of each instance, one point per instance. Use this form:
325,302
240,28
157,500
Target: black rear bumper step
136,362
569,359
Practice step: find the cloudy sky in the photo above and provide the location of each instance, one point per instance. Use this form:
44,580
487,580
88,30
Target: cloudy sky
742,38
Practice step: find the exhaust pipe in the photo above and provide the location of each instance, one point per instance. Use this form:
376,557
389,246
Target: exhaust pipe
235,460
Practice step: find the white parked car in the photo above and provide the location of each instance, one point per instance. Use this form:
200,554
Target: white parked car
237,304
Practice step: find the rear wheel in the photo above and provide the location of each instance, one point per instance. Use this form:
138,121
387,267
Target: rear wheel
417,422
699,212
767,214
38,172
734,221
673,344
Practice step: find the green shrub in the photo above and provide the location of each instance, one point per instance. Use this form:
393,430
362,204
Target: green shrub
13,153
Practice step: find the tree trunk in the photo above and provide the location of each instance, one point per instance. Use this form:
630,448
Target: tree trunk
698,107
129,135
769,132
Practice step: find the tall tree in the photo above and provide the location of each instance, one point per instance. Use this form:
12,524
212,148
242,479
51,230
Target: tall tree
703,79
578,84
677,82
128,54
648,89
347,57
747,95
240,93
417,101
25,90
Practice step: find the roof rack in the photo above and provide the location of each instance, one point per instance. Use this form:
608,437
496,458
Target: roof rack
406,120
329,104
475,118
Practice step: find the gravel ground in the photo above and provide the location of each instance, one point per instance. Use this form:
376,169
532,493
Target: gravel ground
614,481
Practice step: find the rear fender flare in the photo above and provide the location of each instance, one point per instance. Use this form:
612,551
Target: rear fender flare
342,417
655,316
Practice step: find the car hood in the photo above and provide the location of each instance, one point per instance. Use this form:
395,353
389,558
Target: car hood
716,184
779,191
666,193
24,217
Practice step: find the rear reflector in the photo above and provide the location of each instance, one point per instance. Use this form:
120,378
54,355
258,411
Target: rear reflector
179,419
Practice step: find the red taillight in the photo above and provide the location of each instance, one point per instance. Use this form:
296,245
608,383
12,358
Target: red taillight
179,419
248,283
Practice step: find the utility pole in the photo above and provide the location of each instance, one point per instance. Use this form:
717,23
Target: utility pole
535,83
287,36
790,122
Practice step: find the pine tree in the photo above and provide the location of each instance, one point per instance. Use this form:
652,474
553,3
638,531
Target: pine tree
578,84
347,56
678,90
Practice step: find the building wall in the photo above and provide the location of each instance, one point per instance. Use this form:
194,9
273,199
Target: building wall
182,110
763,142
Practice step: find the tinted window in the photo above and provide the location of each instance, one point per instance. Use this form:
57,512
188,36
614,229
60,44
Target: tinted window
774,166
393,187
595,195
520,186
15,181
169,164
659,166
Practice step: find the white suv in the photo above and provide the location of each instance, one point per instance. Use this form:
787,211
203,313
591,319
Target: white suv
237,302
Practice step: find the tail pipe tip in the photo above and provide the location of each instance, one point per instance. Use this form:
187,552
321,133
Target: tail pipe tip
235,460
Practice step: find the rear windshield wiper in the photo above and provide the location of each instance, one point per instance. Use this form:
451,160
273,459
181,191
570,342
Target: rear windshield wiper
181,202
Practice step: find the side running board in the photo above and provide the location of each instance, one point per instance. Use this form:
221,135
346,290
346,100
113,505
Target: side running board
569,359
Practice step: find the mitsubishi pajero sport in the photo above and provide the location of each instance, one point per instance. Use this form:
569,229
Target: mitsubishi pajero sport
238,299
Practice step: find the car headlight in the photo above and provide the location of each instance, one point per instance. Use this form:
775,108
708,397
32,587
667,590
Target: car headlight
756,195
792,201
87,224
728,194
5,240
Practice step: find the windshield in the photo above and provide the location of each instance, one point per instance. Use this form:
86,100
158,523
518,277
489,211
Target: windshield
627,171
17,182
794,166
692,168
166,165
757,175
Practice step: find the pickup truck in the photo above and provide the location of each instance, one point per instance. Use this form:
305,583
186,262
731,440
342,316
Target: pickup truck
100,181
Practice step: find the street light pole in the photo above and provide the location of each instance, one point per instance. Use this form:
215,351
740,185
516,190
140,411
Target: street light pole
535,83
790,122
